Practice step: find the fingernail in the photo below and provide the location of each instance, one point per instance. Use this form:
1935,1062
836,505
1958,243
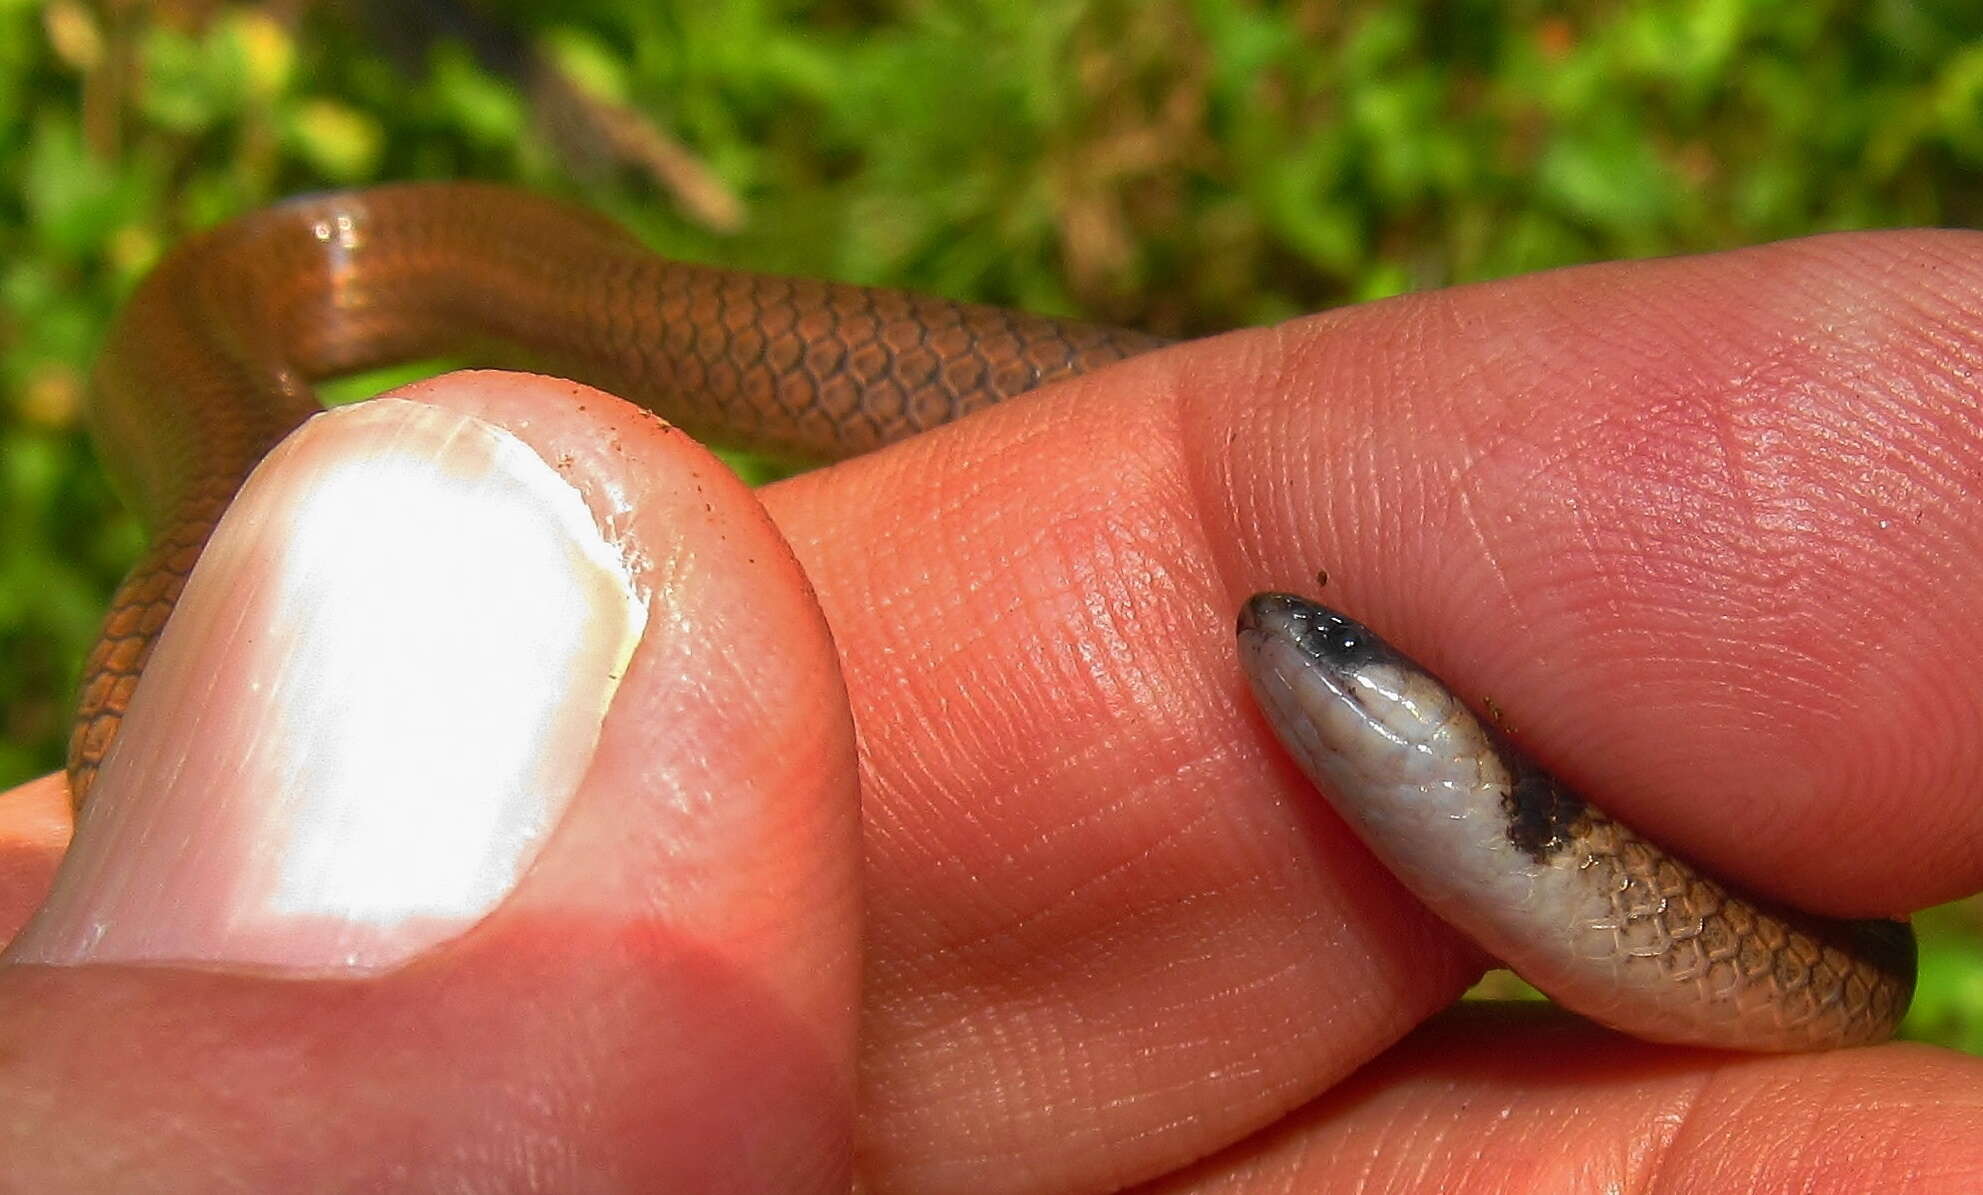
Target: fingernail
380,691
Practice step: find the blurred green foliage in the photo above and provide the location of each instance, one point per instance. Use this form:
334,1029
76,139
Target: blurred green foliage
1181,165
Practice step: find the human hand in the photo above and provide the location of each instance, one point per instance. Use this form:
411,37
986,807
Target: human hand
1109,932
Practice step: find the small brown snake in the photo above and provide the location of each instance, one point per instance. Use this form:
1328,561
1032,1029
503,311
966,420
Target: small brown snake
212,360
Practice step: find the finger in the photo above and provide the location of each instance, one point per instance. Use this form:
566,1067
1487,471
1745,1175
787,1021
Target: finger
34,831
1691,524
1523,1098
376,710
1694,526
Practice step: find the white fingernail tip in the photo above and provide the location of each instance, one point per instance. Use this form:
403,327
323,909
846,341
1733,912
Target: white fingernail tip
380,691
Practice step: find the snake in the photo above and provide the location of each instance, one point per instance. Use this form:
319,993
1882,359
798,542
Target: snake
214,358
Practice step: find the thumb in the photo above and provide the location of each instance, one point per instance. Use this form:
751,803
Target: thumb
486,817
34,831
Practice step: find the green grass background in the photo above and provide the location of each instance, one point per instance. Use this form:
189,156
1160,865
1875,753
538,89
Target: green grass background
1180,166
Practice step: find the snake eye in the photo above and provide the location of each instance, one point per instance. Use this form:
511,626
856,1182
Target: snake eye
1338,637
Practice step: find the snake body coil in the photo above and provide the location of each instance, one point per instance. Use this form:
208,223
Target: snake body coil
212,360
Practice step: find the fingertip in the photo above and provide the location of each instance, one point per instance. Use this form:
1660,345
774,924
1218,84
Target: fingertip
35,822
673,977
713,850
1697,527
372,703
722,797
